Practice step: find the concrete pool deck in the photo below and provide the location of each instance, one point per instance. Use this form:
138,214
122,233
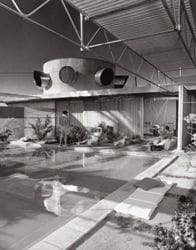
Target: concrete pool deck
115,235
75,232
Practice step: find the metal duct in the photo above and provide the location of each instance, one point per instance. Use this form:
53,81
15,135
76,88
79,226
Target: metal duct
104,76
41,79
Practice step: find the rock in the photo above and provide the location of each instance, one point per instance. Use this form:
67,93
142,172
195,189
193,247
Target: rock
170,144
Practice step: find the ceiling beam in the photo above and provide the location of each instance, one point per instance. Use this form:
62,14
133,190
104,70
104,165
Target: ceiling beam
178,27
155,83
9,9
131,39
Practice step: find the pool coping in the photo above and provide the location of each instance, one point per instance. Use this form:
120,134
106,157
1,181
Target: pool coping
76,231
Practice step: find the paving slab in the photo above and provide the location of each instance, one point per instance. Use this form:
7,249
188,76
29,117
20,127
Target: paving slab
142,203
156,168
44,246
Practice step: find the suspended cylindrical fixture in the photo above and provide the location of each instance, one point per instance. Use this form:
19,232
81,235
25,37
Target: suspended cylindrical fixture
104,76
41,79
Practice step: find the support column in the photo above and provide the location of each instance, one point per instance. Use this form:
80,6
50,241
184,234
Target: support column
180,117
81,32
184,109
141,114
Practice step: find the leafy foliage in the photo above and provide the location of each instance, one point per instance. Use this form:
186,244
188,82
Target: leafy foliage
130,223
42,128
108,134
5,130
164,238
191,118
76,134
182,234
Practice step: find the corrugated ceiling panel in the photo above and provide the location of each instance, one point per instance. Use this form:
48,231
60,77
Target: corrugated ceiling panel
155,44
190,14
136,22
164,51
171,59
98,7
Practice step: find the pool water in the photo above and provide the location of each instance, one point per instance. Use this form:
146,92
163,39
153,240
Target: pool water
42,189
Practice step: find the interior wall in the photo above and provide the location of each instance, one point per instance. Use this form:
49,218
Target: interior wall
193,103
124,114
161,111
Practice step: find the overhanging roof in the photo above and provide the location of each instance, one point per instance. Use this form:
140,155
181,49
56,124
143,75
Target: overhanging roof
146,27
155,38
7,97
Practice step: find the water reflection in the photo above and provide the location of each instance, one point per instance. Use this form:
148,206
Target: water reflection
55,196
47,153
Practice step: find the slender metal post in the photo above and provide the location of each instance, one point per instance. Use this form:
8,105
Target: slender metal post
131,39
38,24
81,32
180,118
138,69
179,18
131,72
33,11
188,20
122,54
158,77
153,70
164,3
109,46
180,72
70,18
93,36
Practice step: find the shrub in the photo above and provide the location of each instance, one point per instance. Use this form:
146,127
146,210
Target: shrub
5,133
76,134
5,130
42,128
182,234
108,133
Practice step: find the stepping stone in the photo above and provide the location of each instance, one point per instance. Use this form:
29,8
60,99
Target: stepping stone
142,203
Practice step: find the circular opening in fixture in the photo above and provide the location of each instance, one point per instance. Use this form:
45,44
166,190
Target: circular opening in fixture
104,76
42,80
67,74
48,85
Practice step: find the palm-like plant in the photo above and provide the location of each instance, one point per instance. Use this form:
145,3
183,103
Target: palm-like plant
42,128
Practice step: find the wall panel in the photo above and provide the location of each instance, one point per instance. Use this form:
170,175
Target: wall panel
122,113
161,111
33,110
125,114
